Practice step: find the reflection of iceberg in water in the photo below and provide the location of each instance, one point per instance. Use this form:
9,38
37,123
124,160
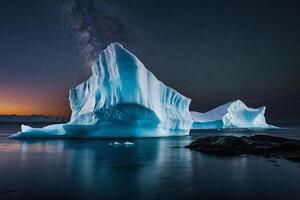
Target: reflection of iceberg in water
104,169
40,147
162,170
120,99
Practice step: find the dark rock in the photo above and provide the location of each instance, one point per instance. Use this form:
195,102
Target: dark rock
263,145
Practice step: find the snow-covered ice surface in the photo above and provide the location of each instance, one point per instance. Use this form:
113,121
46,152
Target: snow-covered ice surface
120,99
231,115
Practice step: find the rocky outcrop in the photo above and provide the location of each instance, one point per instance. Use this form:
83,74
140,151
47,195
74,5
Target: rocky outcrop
263,145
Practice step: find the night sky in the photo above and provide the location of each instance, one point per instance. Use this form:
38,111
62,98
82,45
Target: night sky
212,51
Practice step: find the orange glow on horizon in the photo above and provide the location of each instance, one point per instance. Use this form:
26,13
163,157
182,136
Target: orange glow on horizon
20,101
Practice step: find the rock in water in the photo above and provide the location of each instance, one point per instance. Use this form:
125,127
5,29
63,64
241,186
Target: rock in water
231,115
263,145
120,99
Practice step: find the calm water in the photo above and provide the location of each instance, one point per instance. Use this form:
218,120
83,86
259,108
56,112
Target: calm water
151,169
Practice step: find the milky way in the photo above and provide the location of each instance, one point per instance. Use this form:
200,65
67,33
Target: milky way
93,26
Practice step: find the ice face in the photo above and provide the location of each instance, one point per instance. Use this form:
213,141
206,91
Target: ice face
120,99
231,115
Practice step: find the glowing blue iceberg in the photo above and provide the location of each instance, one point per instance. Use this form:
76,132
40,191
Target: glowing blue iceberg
231,115
120,99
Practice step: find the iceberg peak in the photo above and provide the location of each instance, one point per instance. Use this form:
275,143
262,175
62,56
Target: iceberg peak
120,99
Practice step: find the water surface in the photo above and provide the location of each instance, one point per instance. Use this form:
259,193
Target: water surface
150,169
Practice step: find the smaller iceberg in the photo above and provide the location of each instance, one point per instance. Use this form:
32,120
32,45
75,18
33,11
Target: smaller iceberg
128,143
119,144
115,143
231,115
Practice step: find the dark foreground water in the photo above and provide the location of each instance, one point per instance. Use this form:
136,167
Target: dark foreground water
150,169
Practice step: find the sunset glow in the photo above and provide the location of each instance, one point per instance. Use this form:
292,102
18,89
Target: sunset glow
20,101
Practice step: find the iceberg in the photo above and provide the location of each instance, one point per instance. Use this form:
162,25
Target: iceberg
121,99
126,144
231,115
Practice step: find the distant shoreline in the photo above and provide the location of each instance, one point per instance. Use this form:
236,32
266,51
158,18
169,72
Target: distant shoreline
32,119
36,122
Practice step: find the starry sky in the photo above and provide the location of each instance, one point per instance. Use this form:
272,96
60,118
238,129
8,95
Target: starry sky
213,51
